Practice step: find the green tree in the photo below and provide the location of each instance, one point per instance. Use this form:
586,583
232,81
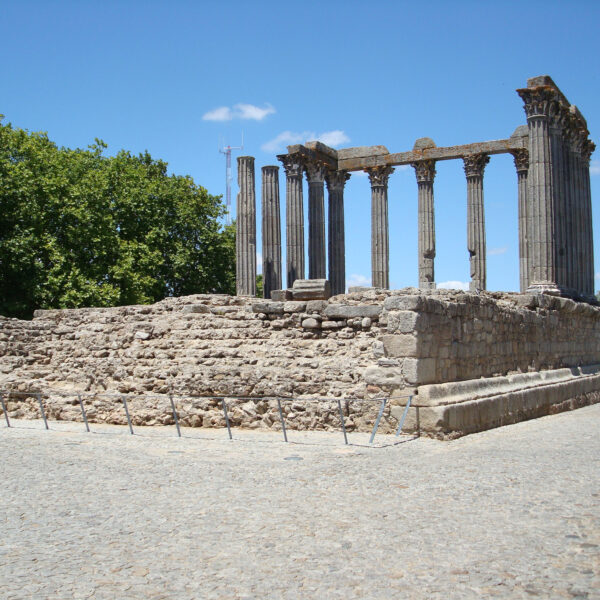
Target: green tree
81,229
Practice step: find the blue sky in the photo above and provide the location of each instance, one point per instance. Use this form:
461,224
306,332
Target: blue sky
142,75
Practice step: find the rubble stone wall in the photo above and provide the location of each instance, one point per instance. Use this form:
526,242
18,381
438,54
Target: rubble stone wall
364,345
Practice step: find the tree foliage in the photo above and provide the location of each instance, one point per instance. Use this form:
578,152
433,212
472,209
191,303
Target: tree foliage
78,228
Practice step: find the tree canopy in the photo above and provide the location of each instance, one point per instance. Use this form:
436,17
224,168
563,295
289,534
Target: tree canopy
78,228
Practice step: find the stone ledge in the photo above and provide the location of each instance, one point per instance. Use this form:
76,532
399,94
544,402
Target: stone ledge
470,416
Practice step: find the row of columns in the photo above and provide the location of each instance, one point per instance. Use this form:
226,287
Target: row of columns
554,205
318,175
558,210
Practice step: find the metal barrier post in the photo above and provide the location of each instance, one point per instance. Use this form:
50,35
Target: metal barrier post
342,420
4,409
127,413
227,419
403,416
175,415
39,398
381,409
83,413
282,421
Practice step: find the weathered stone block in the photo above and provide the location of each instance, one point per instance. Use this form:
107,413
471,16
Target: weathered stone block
311,289
268,307
401,345
281,295
195,308
294,307
311,323
417,371
345,311
315,306
384,376
406,321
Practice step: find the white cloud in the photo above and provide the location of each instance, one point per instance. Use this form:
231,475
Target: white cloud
249,111
286,138
595,167
258,263
598,276
453,285
496,251
239,111
357,279
333,138
223,113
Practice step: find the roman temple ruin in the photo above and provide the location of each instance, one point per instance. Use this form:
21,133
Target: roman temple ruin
468,361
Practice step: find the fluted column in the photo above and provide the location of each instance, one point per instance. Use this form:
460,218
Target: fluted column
576,224
521,158
474,166
315,172
587,150
336,180
245,239
540,189
271,230
380,250
559,167
425,172
294,217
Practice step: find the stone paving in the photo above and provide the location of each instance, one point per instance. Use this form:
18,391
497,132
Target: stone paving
509,513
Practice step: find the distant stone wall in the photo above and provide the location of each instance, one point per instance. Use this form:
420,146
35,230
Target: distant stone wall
367,344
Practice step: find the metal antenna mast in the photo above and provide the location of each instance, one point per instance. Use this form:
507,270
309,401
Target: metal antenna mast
226,150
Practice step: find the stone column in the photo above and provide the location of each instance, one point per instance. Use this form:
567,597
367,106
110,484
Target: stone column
522,164
294,217
380,250
425,172
336,180
271,231
559,167
576,251
315,172
474,166
587,151
245,239
570,209
540,189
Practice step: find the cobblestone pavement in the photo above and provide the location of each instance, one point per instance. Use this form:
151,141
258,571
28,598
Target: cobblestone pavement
508,513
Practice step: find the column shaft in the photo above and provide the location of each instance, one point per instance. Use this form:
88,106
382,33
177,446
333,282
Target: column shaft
522,163
542,193
271,230
474,166
560,229
588,148
380,251
425,172
294,218
336,181
245,241
316,220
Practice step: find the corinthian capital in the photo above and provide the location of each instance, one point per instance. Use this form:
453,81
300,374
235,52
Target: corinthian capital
587,150
315,171
521,159
378,176
474,164
424,170
336,180
539,101
292,164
